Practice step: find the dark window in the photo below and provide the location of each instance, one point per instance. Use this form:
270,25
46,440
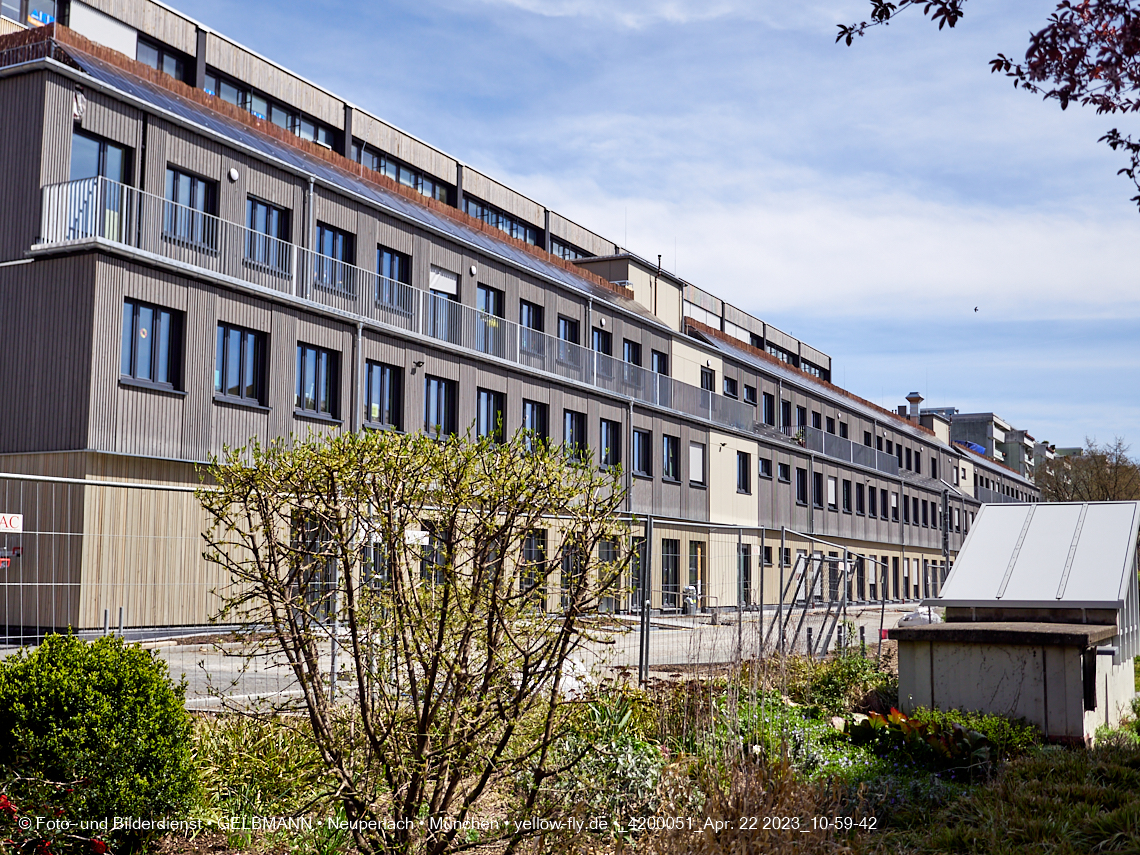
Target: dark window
574,431
873,502
631,352
535,421
883,505
393,265
890,447
846,496
383,395
769,413
708,379
501,220
267,241
909,465
860,499
879,443
934,467
670,573
894,506
801,486
830,425
603,342
914,505
395,276
162,58
239,365
93,157
925,513
867,438
188,215
440,410
530,316
765,467
801,416
817,489
785,471
918,463
567,250
757,341
843,429
749,394
767,556
489,414
317,374
401,173
610,442
816,421
906,510
670,454
643,452
568,329
743,472
731,388
785,413
533,570
744,572
152,343
489,300
332,268
660,362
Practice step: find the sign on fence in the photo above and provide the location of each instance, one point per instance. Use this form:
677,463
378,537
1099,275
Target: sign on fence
11,523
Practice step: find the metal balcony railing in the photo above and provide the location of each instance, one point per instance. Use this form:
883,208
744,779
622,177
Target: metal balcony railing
830,445
99,208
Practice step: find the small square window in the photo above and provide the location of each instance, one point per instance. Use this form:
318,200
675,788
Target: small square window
730,387
785,471
749,394
765,467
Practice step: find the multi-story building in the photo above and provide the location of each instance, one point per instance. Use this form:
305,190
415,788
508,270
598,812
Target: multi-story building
199,248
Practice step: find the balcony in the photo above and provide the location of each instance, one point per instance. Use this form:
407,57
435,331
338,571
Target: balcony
92,209
830,445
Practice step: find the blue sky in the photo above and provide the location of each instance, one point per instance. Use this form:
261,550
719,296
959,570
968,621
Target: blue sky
864,199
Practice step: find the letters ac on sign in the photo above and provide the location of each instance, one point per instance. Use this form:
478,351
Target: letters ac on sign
11,523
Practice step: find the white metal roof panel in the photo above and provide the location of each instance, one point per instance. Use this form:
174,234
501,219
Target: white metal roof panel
1046,555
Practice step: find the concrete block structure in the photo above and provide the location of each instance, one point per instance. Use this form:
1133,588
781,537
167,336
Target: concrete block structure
1042,620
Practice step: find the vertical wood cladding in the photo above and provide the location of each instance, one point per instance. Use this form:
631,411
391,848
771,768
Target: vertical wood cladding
45,353
22,143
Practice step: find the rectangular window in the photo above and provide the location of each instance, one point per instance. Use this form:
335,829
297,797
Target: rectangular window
660,363
744,572
574,432
765,467
670,573
785,471
631,352
816,420
161,58
532,574
670,458
535,421
152,344
317,381
801,486
906,510
843,430
95,157
610,442
189,212
883,505
914,513
750,395
894,506
743,472
696,463
925,513
832,490
785,413
697,552
642,453
383,395
879,443
489,413
917,463
440,406
867,438
489,301
909,465
846,496
860,499
568,329
730,388
801,416
767,555
934,467
239,364
332,267
890,447
769,413
395,270
872,502
603,342
708,379
267,241
531,316
830,425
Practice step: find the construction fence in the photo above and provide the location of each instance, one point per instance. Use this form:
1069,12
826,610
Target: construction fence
126,558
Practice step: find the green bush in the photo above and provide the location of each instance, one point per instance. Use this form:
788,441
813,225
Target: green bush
840,684
99,728
1008,738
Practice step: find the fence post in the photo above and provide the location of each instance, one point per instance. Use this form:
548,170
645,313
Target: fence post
809,644
120,621
740,595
